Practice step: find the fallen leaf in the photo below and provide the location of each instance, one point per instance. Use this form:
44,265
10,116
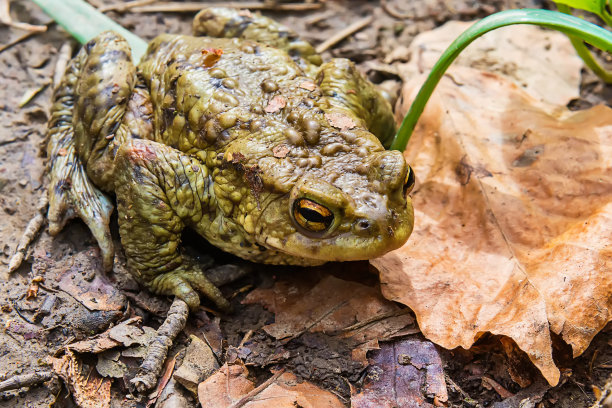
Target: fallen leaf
277,103
340,121
280,151
527,55
88,389
225,387
513,213
211,56
309,86
405,373
350,310
104,341
230,385
81,277
109,364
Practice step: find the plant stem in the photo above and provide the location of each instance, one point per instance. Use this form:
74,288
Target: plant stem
567,24
84,22
584,53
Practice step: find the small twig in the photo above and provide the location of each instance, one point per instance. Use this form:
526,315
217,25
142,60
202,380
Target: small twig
25,380
190,7
392,12
314,323
246,338
375,319
341,35
63,56
158,348
29,234
5,18
242,401
503,392
119,7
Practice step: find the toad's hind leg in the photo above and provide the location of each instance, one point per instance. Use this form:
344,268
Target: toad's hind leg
231,23
160,191
345,87
87,111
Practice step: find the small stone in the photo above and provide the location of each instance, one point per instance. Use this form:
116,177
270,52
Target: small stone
23,182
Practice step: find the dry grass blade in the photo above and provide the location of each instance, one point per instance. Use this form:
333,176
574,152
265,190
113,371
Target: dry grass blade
125,6
190,7
341,35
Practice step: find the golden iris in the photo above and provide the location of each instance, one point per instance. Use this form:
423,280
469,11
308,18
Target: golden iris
311,215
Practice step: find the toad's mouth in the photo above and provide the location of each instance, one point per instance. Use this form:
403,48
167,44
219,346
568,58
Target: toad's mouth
343,247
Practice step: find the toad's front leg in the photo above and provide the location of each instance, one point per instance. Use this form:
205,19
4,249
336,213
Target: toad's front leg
160,191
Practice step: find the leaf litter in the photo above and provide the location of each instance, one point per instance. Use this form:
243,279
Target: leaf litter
89,320
513,215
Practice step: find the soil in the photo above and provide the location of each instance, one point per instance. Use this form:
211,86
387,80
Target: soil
39,326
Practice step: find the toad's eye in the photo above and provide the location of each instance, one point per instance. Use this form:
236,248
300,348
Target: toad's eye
409,182
312,216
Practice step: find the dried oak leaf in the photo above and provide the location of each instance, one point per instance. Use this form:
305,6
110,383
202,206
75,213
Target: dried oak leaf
527,55
88,389
351,310
404,373
277,103
521,249
225,387
230,385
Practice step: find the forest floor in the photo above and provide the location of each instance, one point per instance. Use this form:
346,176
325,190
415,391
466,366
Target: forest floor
62,312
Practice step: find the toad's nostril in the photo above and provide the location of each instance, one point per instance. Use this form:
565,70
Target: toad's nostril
364,224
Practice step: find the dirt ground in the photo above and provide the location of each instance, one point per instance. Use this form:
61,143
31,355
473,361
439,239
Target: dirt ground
60,314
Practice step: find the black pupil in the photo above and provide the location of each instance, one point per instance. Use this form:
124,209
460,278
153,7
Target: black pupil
410,180
315,216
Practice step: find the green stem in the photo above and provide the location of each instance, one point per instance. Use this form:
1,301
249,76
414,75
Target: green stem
570,25
84,22
584,53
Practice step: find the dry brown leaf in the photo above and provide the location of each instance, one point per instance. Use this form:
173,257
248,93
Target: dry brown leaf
402,374
230,387
280,151
527,55
333,306
104,341
309,86
340,121
513,219
211,56
277,103
83,279
88,389
226,386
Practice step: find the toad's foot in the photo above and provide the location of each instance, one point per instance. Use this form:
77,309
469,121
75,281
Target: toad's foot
184,282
